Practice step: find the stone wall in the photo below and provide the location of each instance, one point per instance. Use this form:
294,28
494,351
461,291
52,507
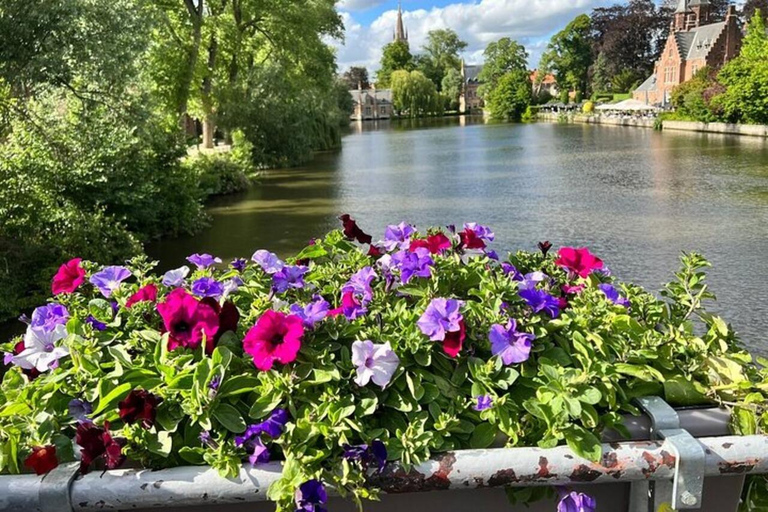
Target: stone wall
754,130
638,122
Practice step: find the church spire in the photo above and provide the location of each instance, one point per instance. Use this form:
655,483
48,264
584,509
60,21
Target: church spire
400,33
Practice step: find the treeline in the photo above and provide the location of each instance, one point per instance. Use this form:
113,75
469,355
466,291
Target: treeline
97,106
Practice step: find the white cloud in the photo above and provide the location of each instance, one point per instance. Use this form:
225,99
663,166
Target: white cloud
358,5
530,22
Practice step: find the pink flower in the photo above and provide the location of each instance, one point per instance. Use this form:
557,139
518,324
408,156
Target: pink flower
579,261
275,337
437,244
187,320
146,293
69,276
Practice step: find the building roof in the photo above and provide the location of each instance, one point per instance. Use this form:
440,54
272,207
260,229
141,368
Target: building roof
368,95
697,42
649,85
471,72
549,78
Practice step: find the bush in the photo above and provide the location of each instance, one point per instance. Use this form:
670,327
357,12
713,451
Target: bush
539,350
588,107
222,173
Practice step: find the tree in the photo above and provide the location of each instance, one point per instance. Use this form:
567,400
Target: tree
396,56
569,54
601,75
501,57
625,81
414,94
451,87
442,51
511,96
355,77
750,6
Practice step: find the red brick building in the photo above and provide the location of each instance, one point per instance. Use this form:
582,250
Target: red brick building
694,41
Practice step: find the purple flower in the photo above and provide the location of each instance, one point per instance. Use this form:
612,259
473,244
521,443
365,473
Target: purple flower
482,232
207,440
257,452
207,287
360,284
272,426
311,496
215,383
374,454
238,264
97,325
7,358
375,362
312,313
291,276
510,270
203,261
174,278
492,255
109,279
79,410
540,300
231,286
612,294
483,402
511,345
442,316
268,261
49,316
530,280
417,263
576,502
398,237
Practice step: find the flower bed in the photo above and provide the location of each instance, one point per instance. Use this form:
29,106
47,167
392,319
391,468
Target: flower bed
356,353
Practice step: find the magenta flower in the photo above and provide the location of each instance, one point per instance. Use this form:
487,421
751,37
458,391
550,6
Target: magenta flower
540,300
612,294
203,261
511,345
313,313
417,263
483,402
49,316
351,306
441,317
291,276
576,502
397,237
483,232
147,293
208,287
275,337
175,278
579,261
69,277
376,362
268,261
188,320
109,279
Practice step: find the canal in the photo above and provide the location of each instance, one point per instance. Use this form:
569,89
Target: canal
635,197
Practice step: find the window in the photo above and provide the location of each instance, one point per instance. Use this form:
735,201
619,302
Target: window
367,111
383,110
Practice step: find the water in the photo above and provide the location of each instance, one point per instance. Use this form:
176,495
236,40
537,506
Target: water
635,197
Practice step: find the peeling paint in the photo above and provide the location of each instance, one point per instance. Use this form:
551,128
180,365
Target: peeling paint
584,473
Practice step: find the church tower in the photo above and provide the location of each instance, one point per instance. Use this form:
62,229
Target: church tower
702,12
400,33
681,16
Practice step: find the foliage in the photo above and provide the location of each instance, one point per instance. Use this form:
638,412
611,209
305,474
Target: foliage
356,76
414,95
587,362
601,79
395,56
751,6
569,54
501,57
222,173
451,87
625,81
511,96
588,108
691,99
441,55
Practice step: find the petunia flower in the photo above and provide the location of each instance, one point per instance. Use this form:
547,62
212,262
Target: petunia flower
95,323
351,307
483,402
579,261
96,442
175,278
109,279
228,315
40,350
376,362
146,293
268,261
435,244
475,236
540,300
47,317
311,497
544,247
231,286
510,270
275,337
360,284
79,410
187,320
42,459
69,277
374,454
530,280
442,321
140,406
291,276
272,426
397,237
511,345
569,289
454,340
352,231
417,263
207,287
203,261
483,232
238,264
576,502
313,313
612,294
257,452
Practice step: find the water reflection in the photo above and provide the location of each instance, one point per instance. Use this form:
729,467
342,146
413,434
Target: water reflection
636,197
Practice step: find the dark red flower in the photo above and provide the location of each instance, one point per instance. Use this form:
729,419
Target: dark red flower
352,231
229,316
42,459
139,405
146,293
96,442
454,340
69,276
31,374
544,247
436,244
470,240
113,450
374,251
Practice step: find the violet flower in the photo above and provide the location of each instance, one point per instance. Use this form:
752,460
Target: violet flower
174,278
482,232
540,300
530,280
510,270
311,496
231,286
96,324
207,440
483,402
376,362
576,502
238,264
374,454
291,276
203,261
109,279
79,410
441,316
49,316
268,261
418,263
612,294
257,452
213,386
511,345
40,350
208,287
313,313
272,426
398,237
360,284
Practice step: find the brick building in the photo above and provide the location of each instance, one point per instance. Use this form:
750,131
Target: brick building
694,41
469,100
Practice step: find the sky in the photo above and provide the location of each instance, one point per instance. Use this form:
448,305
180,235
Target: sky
369,25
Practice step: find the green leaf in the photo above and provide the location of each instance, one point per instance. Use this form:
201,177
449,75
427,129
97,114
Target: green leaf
583,443
483,436
680,391
229,417
641,371
192,455
15,409
264,405
238,385
311,252
160,444
111,398
590,396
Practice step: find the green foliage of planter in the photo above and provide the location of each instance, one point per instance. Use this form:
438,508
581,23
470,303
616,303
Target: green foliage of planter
588,359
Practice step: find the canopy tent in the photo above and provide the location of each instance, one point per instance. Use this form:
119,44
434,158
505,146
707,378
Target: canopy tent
627,105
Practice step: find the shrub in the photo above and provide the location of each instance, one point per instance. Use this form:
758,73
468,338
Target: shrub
433,346
588,107
222,173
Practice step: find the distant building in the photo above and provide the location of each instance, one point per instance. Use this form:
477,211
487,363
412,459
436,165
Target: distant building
693,43
401,33
371,104
469,100
548,84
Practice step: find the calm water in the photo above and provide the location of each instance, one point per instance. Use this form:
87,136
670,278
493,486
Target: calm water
635,197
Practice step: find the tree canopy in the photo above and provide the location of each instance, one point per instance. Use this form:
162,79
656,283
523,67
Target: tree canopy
414,95
395,56
356,76
569,54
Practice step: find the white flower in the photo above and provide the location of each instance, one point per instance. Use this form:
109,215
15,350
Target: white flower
176,277
375,362
40,351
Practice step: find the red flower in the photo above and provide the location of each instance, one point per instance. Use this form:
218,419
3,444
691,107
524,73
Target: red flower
353,231
544,247
275,337
454,340
69,276
42,459
188,320
470,240
579,261
96,442
229,316
139,405
146,293
32,373
374,251
437,244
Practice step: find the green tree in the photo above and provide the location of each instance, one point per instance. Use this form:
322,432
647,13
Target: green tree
511,96
451,87
356,76
746,78
750,6
441,53
625,81
501,57
396,56
569,54
414,94
601,79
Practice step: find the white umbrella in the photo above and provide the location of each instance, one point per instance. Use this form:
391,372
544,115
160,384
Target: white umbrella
627,105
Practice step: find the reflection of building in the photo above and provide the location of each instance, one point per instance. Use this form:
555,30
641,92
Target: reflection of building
548,84
371,104
469,100
693,43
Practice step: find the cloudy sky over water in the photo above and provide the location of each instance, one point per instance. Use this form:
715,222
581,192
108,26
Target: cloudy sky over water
369,24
